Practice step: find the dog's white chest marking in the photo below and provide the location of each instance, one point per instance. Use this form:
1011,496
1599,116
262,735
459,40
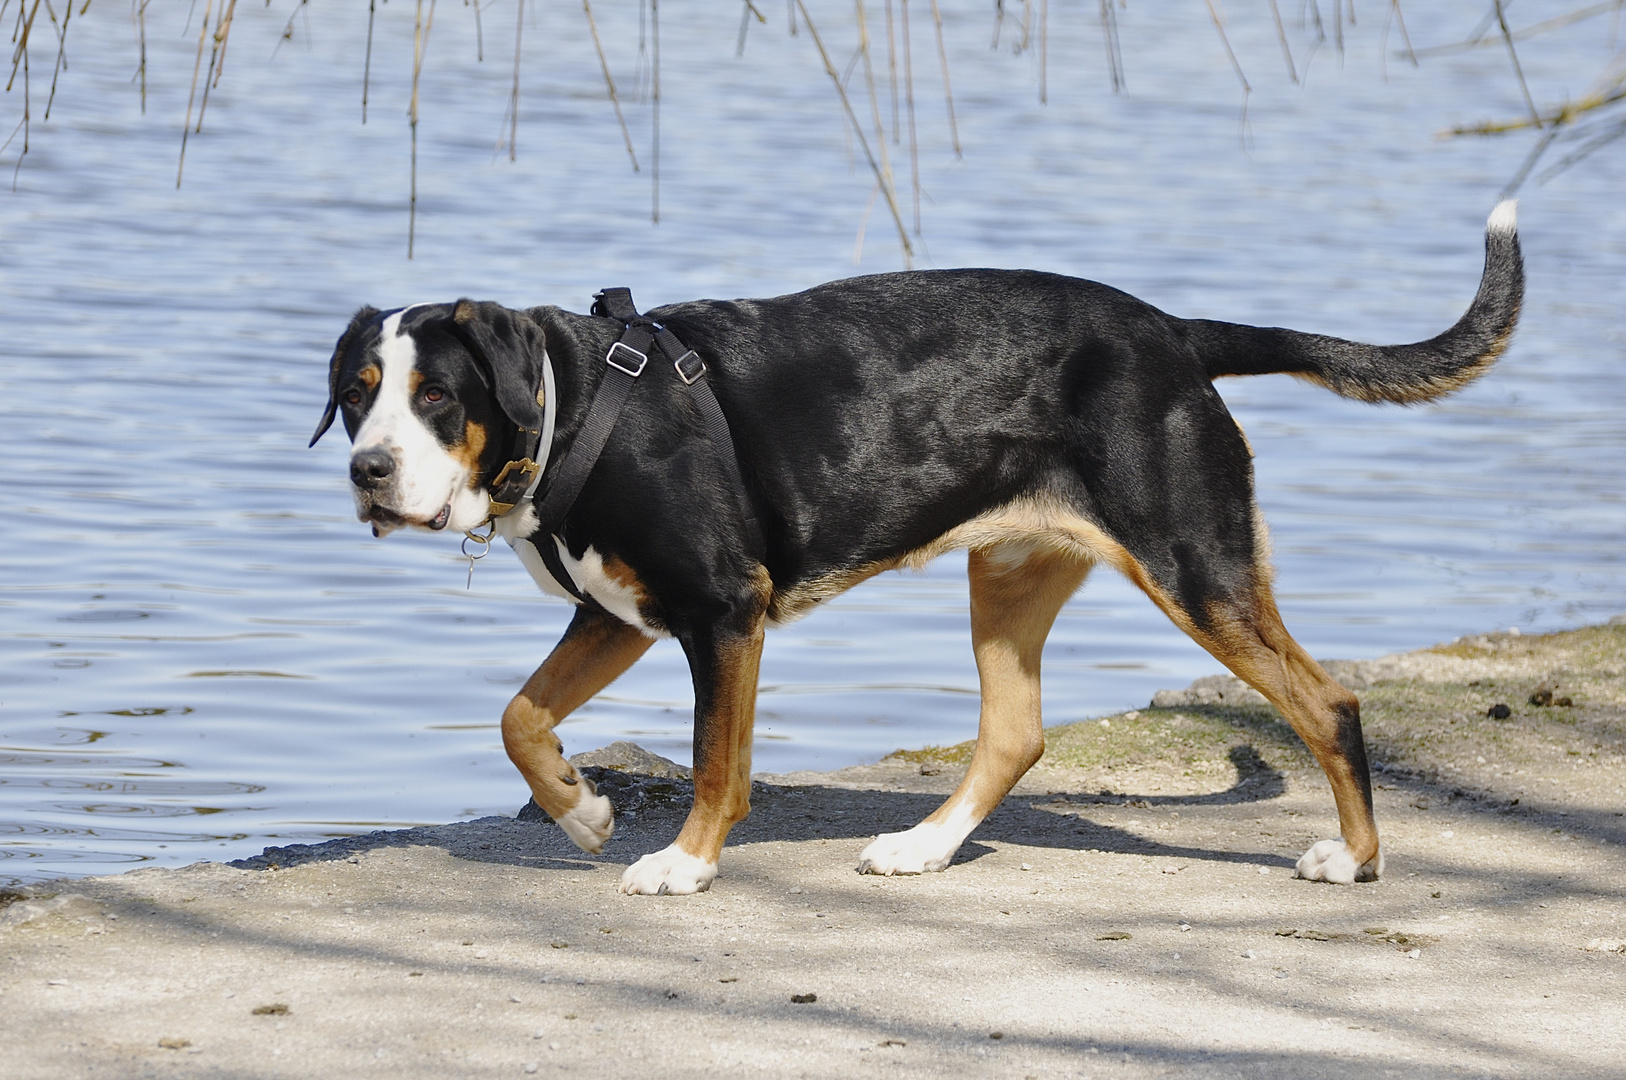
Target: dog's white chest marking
587,573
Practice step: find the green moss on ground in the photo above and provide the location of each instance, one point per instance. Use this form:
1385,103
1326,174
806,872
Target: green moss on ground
1411,723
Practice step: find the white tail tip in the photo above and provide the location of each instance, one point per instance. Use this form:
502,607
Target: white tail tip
1505,218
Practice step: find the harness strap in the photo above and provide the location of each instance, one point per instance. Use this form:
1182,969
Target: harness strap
626,361
691,370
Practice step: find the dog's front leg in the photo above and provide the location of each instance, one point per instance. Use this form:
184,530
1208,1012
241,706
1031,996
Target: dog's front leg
595,649
724,664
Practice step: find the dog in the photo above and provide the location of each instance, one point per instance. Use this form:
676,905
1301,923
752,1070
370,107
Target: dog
1046,424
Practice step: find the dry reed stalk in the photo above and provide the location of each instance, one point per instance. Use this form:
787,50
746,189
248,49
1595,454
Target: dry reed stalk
1518,69
654,98
141,69
1400,19
479,30
19,57
909,103
1115,56
61,52
863,224
948,91
892,70
1044,51
604,65
846,105
1478,39
420,44
874,98
197,66
217,56
1219,24
1281,35
513,96
301,8
367,64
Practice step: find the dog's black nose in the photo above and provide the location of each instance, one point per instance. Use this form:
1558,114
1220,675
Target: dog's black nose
369,468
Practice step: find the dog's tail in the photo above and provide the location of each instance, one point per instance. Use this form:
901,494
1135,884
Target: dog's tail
1401,373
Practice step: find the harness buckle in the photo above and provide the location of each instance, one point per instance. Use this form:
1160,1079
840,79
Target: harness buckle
689,362
632,362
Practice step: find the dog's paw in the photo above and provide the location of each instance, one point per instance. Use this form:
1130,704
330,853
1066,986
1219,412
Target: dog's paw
924,849
590,822
669,871
1330,860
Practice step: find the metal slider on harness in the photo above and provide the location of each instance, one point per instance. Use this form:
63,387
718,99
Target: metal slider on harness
627,359
688,363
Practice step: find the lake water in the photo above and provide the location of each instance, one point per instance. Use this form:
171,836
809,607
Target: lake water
202,652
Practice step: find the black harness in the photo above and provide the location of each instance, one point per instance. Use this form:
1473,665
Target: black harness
641,337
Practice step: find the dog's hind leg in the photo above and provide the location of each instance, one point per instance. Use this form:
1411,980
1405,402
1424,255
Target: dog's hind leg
1248,637
1176,515
724,661
595,650
1016,592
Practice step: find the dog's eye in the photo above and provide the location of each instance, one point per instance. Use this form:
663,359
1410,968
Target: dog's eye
433,394
352,397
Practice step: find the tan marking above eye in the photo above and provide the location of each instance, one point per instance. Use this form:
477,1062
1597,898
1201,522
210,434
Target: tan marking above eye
370,376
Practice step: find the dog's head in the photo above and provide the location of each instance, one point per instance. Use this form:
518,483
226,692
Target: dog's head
431,396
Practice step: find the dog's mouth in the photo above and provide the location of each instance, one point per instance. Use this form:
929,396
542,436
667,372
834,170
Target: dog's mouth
385,520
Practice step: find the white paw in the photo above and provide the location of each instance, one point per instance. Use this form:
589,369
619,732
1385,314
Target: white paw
590,822
1330,860
669,871
924,849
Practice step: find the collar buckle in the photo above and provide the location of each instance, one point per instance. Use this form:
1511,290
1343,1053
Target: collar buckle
509,488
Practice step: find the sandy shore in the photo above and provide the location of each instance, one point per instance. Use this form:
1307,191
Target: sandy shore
1130,911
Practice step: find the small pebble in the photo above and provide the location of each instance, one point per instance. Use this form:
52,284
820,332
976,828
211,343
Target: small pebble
1185,926
1264,869
1025,866
1248,955
532,1066
1415,953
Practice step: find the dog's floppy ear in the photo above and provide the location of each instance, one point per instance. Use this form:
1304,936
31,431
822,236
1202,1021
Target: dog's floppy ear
359,322
509,344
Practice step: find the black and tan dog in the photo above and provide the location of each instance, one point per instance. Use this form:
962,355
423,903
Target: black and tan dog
1046,424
